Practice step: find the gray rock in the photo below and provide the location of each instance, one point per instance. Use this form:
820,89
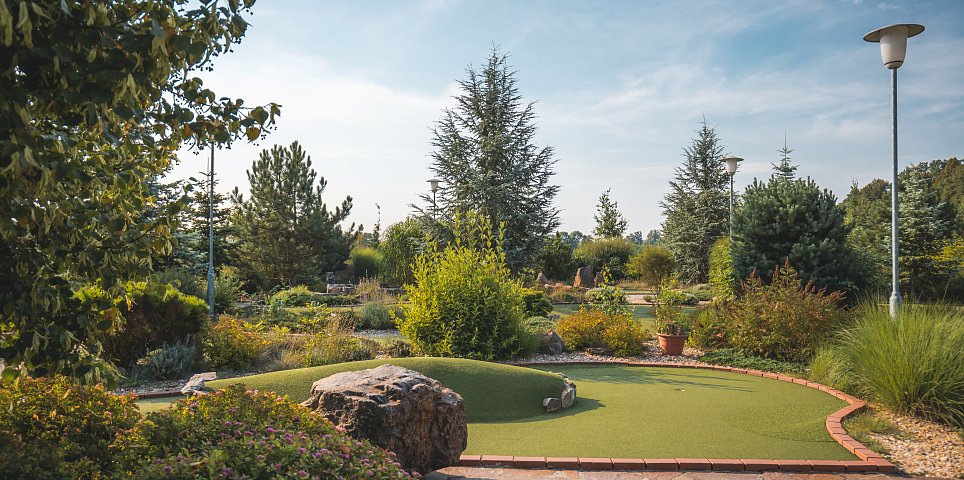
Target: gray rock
568,396
584,278
551,404
541,279
397,409
552,343
195,385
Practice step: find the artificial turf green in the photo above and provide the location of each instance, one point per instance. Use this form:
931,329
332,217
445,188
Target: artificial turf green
639,412
632,412
492,391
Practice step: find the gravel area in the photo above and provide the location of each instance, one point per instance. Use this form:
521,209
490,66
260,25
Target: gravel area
690,356
923,447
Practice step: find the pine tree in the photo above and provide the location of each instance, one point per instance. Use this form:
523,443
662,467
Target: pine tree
609,222
793,220
697,206
785,169
286,234
487,161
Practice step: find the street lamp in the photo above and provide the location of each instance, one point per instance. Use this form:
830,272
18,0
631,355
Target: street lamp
731,165
893,47
434,187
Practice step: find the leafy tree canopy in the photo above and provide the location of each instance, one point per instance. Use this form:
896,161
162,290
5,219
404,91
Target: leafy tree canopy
609,222
98,97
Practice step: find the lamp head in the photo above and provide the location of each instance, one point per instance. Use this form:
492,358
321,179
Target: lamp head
434,183
731,164
893,42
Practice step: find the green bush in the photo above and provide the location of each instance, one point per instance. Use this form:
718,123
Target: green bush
910,364
231,343
721,273
233,433
402,244
366,262
783,320
227,286
651,264
169,362
557,260
708,329
398,348
606,253
296,319
54,429
584,329
536,303
375,316
732,357
626,338
608,298
298,296
464,304
158,314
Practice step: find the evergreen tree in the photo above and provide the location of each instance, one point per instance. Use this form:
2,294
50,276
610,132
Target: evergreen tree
867,214
487,161
697,206
784,169
197,234
609,222
286,234
557,259
925,224
795,220
637,238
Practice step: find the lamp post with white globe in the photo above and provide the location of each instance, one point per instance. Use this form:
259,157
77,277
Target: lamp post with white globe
433,185
731,165
893,48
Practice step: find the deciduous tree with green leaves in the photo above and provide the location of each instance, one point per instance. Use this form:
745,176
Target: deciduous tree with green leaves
487,160
287,235
697,206
98,97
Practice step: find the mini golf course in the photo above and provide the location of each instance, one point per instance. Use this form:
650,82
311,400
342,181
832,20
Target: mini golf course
621,411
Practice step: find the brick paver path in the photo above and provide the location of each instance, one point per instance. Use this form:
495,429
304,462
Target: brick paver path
475,473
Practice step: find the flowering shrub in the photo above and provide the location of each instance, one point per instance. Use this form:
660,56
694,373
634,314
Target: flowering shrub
625,338
235,433
53,429
595,328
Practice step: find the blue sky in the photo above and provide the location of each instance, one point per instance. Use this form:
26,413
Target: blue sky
620,86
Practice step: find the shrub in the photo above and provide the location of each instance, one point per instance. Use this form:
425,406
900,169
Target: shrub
910,364
464,304
708,329
366,262
158,314
370,289
247,434
652,264
670,317
626,338
296,319
784,319
169,362
566,294
335,344
536,303
557,260
231,343
299,296
608,298
398,348
606,253
376,316
402,244
53,429
732,357
584,329
721,274
227,286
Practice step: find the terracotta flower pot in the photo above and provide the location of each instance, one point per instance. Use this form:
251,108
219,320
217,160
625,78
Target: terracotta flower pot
671,344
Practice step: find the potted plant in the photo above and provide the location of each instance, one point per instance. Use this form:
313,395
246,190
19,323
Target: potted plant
672,323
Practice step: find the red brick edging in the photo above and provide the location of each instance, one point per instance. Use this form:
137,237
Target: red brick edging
870,461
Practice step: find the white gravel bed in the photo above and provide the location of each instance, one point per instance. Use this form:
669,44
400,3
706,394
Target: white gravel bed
923,447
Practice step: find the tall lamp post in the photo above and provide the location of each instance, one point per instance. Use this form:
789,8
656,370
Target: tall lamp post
434,187
211,236
893,48
731,165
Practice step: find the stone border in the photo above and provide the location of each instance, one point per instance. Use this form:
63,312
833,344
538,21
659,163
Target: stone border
870,461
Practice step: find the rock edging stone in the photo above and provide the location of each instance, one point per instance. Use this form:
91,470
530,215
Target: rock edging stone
565,400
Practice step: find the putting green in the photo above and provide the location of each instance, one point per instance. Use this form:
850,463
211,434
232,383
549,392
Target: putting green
632,412
637,412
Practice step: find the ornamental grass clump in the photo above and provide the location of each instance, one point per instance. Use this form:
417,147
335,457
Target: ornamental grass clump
234,433
911,364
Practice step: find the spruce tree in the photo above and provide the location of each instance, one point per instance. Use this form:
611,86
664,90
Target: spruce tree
697,206
286,233
197,234
609,222
487,160
784,169
925,224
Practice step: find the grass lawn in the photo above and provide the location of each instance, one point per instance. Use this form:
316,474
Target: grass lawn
620,412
